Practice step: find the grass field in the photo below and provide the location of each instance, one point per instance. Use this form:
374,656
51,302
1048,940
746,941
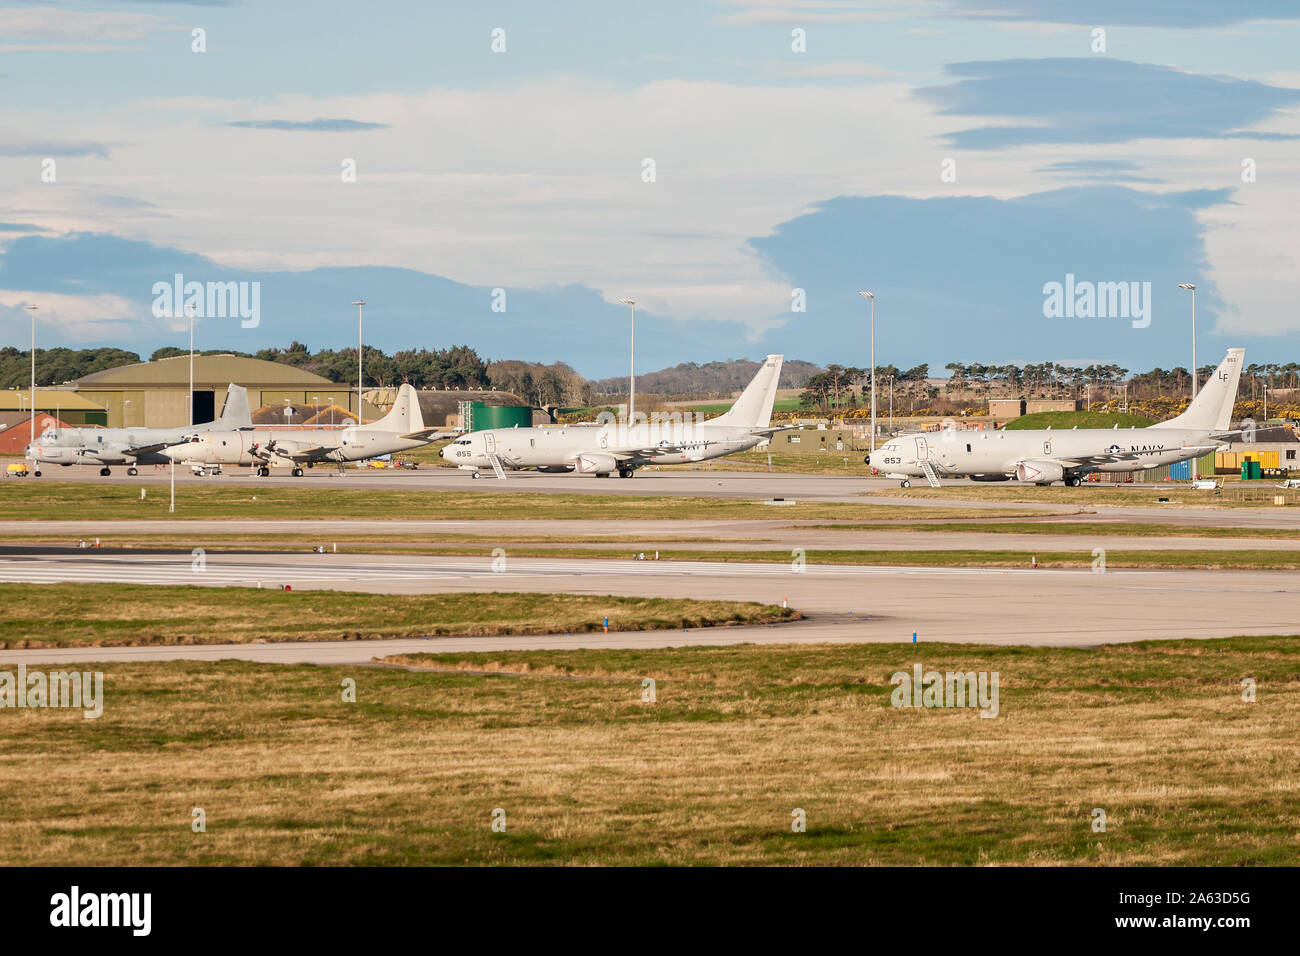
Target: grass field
1089,529
71,500
1060,420
1240,559
103,615
1245,495
1157,735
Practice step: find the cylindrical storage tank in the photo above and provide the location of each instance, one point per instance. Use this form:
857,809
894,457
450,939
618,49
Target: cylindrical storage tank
484,416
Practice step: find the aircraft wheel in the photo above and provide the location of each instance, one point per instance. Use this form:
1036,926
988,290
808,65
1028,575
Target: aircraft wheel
625,473
905,483
105,472
473,474
133,472
37,473
297,472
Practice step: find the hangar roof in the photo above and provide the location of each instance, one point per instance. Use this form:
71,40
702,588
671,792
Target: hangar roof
14,399
210,371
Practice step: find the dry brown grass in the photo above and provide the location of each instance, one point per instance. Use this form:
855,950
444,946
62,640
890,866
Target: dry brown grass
118,615
288,773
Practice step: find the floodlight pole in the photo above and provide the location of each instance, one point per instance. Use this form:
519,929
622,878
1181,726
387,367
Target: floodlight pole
190,400
32,394
1191,287
359,303
872,297
631,377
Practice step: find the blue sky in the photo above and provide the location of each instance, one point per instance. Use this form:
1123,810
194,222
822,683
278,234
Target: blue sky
952,160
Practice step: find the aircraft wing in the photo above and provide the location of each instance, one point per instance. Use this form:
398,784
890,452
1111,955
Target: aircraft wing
1108,457
653,451
147,449
427,434
296,452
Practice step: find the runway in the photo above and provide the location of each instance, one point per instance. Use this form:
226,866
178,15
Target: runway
843,603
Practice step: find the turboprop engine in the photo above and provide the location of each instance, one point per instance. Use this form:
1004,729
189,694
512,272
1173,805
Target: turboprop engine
1040,472
595,464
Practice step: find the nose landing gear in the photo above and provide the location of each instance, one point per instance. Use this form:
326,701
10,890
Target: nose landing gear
905,483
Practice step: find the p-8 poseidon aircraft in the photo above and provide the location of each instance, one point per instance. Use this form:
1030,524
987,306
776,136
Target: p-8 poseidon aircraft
605,449
1044,456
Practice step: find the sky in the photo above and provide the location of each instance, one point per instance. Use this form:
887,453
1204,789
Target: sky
503,174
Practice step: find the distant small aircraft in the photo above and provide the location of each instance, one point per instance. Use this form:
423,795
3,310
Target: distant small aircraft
128,446
264,448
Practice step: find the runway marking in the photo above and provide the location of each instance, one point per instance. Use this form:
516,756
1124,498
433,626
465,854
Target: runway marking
136,570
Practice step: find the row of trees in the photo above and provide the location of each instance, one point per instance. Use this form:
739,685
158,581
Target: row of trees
57,366
542,385
1044,379
843,387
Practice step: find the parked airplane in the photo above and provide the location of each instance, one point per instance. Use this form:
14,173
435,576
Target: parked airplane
129,446
603,449
1046,455
263,448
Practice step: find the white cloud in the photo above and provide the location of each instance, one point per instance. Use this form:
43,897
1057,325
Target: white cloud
796,12
52,30
539,183
80,318
841,68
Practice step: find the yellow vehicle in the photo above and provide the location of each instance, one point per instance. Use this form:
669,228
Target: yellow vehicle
17,469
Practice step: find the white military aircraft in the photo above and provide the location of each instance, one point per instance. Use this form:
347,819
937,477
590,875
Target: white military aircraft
604,449
263,448
1044,456
128,446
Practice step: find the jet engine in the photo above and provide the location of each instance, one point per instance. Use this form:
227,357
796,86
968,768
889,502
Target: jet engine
595,464
1040,472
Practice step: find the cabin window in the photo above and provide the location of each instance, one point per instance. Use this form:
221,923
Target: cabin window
532,443
968,448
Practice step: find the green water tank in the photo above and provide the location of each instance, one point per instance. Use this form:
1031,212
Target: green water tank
484,416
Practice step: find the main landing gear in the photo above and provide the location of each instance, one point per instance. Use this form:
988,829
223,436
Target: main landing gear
105,472
297,472
263,471
626,472
133,471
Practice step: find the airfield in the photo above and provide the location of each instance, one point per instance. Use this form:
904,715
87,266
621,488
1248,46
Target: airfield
849,600
1121,686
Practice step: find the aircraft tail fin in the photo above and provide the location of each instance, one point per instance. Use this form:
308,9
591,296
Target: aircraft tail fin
235,413
754,407
404,417
1212,408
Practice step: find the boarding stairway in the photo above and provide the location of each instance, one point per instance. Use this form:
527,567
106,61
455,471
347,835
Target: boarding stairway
501,472
930,474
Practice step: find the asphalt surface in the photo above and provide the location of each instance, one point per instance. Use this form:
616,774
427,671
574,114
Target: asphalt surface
843,603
